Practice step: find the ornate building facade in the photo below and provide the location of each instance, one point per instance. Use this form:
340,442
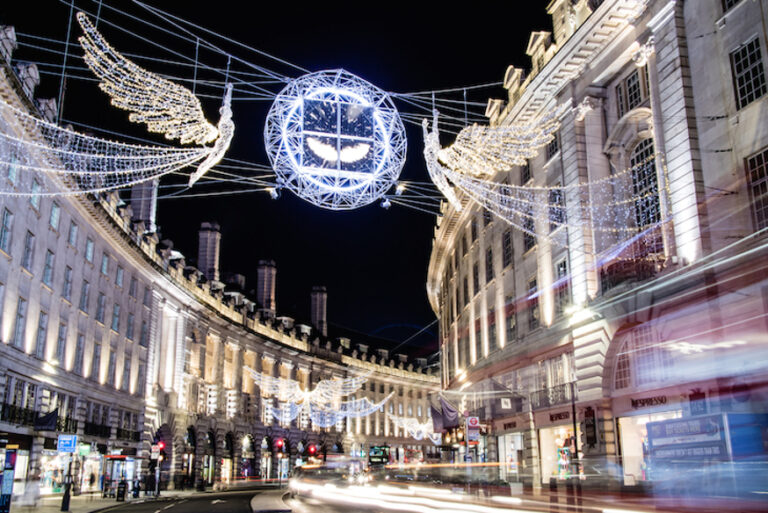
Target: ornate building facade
109,335
579,346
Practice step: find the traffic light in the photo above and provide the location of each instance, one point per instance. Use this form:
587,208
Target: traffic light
279,443
312,449
161,445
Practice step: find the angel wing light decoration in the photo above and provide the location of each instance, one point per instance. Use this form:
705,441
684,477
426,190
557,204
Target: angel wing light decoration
164,106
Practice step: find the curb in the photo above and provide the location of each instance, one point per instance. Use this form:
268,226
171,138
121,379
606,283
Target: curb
274,503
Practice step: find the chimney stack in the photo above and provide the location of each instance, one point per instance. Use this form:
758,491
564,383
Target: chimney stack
265,287
208,250
319,306
144,204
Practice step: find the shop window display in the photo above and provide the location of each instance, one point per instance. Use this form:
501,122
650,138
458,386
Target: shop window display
557,446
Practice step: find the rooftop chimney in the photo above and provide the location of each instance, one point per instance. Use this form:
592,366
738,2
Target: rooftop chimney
265,287
208,250
319,306
144,204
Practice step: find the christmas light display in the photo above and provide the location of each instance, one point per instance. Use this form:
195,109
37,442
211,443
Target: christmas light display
335,140
165,107
615,204
74,163
417,430
324,404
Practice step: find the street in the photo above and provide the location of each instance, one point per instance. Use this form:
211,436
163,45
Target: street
238,501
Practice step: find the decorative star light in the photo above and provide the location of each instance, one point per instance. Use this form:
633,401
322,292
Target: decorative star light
335,140
417,430
324,403
165,107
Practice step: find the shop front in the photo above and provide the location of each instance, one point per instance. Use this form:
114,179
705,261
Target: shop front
510,456
228,461
248,458
209,459
633,413
266,458
91,467
557,444
21,445
188,458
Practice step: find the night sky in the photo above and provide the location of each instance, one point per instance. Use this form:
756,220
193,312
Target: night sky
373,261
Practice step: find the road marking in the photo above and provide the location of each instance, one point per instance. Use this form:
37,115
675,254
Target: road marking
170,505
217,501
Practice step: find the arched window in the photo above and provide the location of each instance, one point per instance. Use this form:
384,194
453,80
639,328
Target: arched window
641,359
645,189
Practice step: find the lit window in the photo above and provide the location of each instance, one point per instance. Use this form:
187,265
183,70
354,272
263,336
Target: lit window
34,199
748,73
89,250
757,176
632,91
53,221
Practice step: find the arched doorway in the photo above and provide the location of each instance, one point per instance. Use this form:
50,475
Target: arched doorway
248,458
265,466
189,446
283,455
209,459
228,460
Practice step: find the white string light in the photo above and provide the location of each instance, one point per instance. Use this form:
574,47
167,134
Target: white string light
417,430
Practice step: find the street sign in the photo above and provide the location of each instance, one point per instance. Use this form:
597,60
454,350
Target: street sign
473,422
67,443
155,452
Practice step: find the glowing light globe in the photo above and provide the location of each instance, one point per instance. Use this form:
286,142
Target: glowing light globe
335,140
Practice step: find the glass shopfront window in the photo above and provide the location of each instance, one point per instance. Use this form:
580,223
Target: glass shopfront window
634,444
557,447
510,456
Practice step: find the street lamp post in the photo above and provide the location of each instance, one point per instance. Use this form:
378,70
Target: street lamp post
67,487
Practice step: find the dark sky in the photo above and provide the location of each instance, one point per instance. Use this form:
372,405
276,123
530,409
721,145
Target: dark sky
373,261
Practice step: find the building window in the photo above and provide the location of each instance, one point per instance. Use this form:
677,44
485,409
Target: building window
562,286
48,268
487,217
79,348
53,221
525,173
20,324
111,368
133,287
116,317
28,257
728,4
641,360
511,319
144,336
553,147
533,304
506,249
34,199
466,291
89,250
42,331
556,208
632,91
757,175
61,343
72,238
85,294
66,292
646,192
129,327
529,230
748,73
478,341
101,305
473,229
105,264
13,169
6,230
488,265
475,278
492,343
96,361
119,276
147,296
126,372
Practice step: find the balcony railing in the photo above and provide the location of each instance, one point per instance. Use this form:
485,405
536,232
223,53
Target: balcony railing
100,430
17,415
66,425
127,434
554,396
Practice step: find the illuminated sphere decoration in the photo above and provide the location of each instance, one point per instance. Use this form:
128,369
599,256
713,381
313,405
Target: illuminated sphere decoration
335,140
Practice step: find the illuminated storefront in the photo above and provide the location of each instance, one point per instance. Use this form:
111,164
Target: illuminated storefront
557,444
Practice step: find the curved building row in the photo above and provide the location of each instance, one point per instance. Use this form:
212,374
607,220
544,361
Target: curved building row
109,335
603,309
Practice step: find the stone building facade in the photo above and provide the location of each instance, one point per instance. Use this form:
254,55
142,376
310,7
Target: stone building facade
109,335
620,332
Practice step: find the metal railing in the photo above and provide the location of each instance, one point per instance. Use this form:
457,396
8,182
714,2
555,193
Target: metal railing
127,434
94,429
17,415
554,396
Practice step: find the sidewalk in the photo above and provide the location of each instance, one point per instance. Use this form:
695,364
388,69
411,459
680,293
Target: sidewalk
92,502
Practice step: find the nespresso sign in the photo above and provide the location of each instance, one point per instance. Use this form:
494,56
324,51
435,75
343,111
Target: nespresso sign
645,402
563,415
